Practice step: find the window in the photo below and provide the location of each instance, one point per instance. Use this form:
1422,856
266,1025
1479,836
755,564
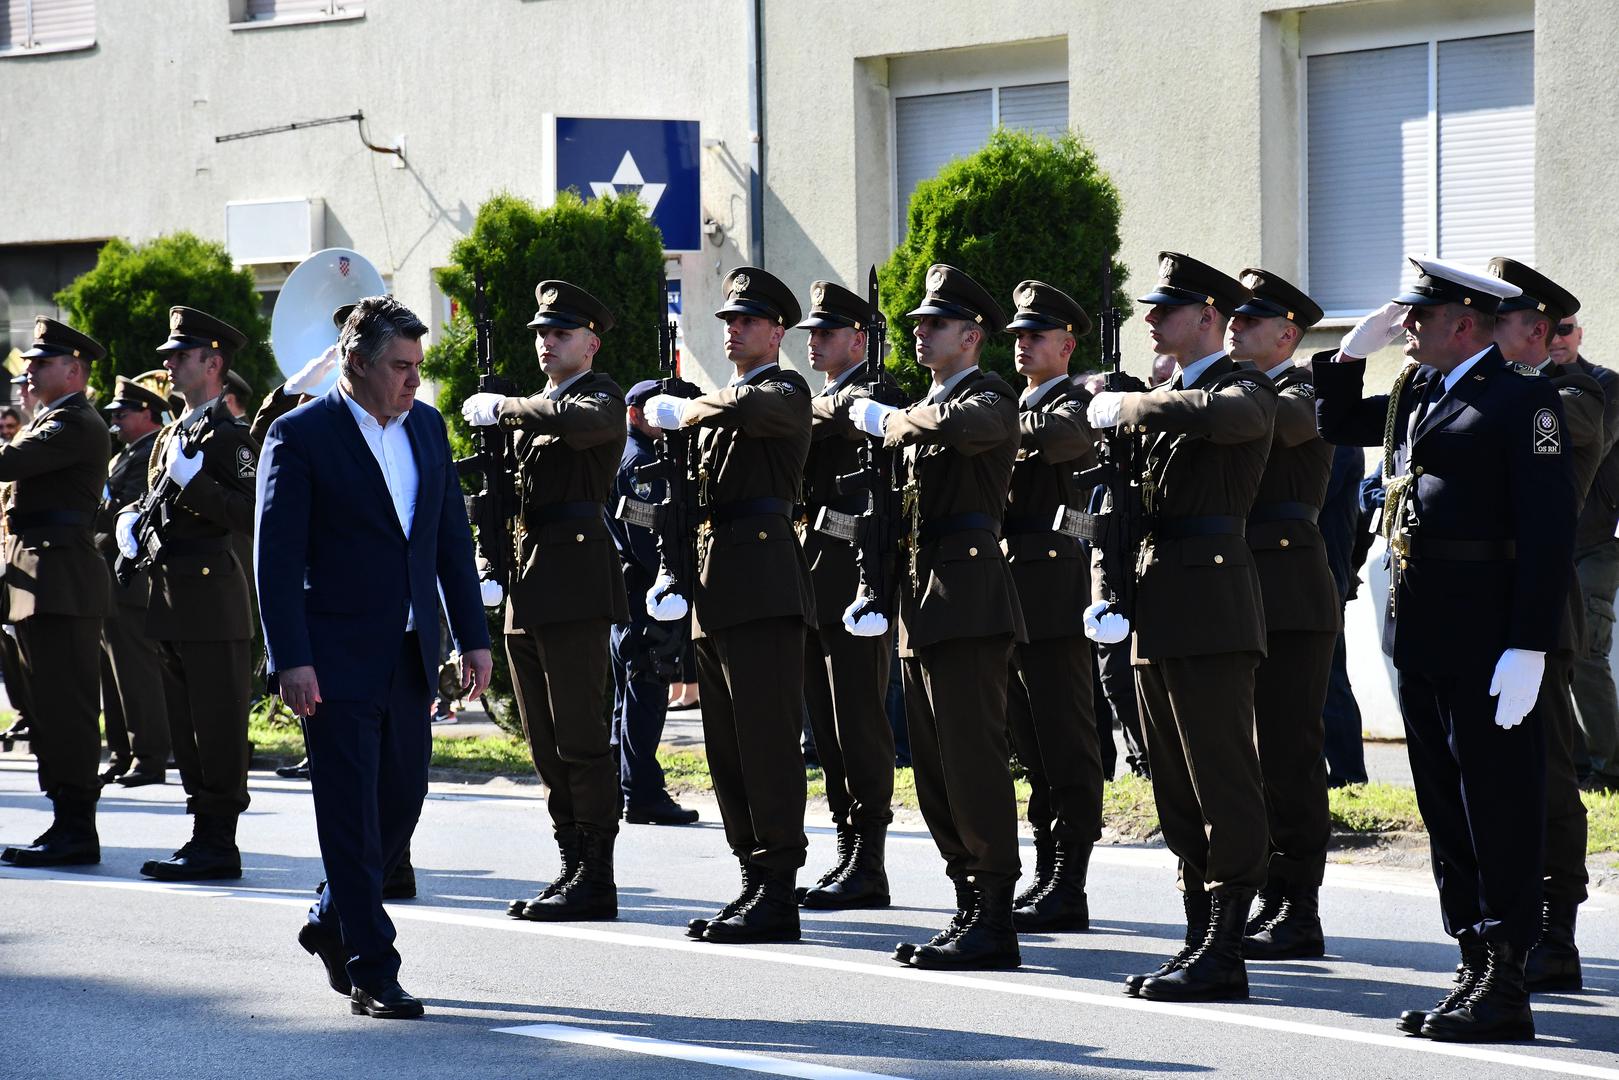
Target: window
250,13
1416,148
39,26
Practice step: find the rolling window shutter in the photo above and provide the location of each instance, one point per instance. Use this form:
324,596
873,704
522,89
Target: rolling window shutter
932,130
1041,108
1487,148
259,10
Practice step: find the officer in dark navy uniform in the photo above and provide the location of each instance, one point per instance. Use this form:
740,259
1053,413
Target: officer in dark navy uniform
1479,513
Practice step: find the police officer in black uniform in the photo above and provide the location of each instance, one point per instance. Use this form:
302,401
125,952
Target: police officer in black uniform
1479,513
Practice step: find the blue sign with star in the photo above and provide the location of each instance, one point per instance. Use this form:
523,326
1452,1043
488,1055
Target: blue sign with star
655,159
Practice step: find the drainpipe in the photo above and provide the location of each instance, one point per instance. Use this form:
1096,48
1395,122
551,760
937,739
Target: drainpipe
756,203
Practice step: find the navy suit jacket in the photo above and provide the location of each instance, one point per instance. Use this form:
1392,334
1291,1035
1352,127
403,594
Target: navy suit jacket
335,571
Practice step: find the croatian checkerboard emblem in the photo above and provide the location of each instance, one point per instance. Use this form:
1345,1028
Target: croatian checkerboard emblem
246,464
1548,439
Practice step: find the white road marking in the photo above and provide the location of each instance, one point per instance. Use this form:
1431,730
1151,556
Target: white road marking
708,1055
980,983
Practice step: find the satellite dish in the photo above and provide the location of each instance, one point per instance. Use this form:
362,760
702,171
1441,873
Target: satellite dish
301,326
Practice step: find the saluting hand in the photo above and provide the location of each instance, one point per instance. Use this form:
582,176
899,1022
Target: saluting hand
312,374
1376,331
476,666
299,689
482,410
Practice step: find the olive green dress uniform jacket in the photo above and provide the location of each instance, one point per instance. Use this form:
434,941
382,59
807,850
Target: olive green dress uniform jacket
126,486
1053,583
1583,405
201,593
754,443
959,453
1206,454
568,449
1299,593
59,465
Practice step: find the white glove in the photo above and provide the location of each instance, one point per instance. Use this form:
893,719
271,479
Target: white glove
125,532
481,410
870,416
182,469
662,602
491,592
1516,685
1376,331
313,373
1105,629
871,624
665,411
1104,409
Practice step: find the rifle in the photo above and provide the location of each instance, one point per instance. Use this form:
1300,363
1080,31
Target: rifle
154,507
675,518
494,506
1117,530
875,531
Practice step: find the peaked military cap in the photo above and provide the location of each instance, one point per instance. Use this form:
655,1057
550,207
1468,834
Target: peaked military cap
130,394
1275,297
953,295
1046,307
570,307
1441,282
53,338
236,383
1184,280
832,307
1540,293
193,329
752,291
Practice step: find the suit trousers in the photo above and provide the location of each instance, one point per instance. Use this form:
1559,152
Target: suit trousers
1597,569
1199,720
640,706
1290,689
58,654
132,690
368,774
845,689
1050,709
1566,876
1119,685
205,688
955,705
559,674
1482,793
751,678
1342,745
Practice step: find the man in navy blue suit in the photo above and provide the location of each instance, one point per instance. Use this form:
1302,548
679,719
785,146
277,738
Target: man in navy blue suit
361,530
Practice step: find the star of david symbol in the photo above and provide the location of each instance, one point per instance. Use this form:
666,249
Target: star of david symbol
627,180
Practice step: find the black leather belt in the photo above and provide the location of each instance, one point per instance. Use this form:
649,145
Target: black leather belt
44,519
1025,526
1183,527
934,531
202,546
1433,547
1265,513
721,513
562,511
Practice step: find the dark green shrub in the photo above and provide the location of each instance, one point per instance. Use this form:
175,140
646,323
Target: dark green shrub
1024,206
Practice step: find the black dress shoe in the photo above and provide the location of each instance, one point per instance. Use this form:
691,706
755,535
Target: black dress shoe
401,884
115,768
143,777
387,1002
317,942
299,771
660,812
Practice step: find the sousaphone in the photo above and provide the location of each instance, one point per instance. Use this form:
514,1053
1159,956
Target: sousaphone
301,326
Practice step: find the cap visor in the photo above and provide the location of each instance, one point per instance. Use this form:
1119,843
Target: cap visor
1035,322
749,307
1416,299
553,319
1260,309
38,351
1167,294
824,321
180,344
944,310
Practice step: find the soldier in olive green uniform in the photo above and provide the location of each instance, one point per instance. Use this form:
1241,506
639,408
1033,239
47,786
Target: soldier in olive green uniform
1302,619
1199,622
959,615
567,590
845,676
200,611
1051,701
1523,331
137,720
57,586
754,600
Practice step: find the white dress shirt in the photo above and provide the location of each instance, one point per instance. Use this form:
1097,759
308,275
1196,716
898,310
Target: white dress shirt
391,447
1031,398
1463,368
738,380
1192,372
1277,371
942,390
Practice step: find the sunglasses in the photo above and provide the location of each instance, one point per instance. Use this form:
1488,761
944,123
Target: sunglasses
1564,329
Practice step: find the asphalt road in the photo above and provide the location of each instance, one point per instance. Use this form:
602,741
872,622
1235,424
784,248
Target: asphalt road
105,975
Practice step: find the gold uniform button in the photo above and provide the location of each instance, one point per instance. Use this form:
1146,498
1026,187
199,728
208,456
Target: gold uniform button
1417,471
972,551
763,535
1402,564
44,543
1052,554
1218,559
578,538
205,571
1285,541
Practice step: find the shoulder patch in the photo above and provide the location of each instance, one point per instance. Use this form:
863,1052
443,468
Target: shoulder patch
602,395
1303,389
990,396
1548,435
1522,369
784,386
247,463
1571,391
48,430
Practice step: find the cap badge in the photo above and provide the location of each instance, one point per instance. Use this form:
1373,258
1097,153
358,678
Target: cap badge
818,293
39,329
175,319
739,284
1025,296
549,296
935,279
1166,268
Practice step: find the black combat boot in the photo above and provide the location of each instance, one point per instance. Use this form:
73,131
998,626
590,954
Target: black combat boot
1215,972
988,942
770,914
751,878
210,854
400,884
70,841
966,904
1498,1008
1468,973
864,880
1062,904
1270,901
590,894
1553,965
1044,850
845,850
1197,926
568,848
1294,933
